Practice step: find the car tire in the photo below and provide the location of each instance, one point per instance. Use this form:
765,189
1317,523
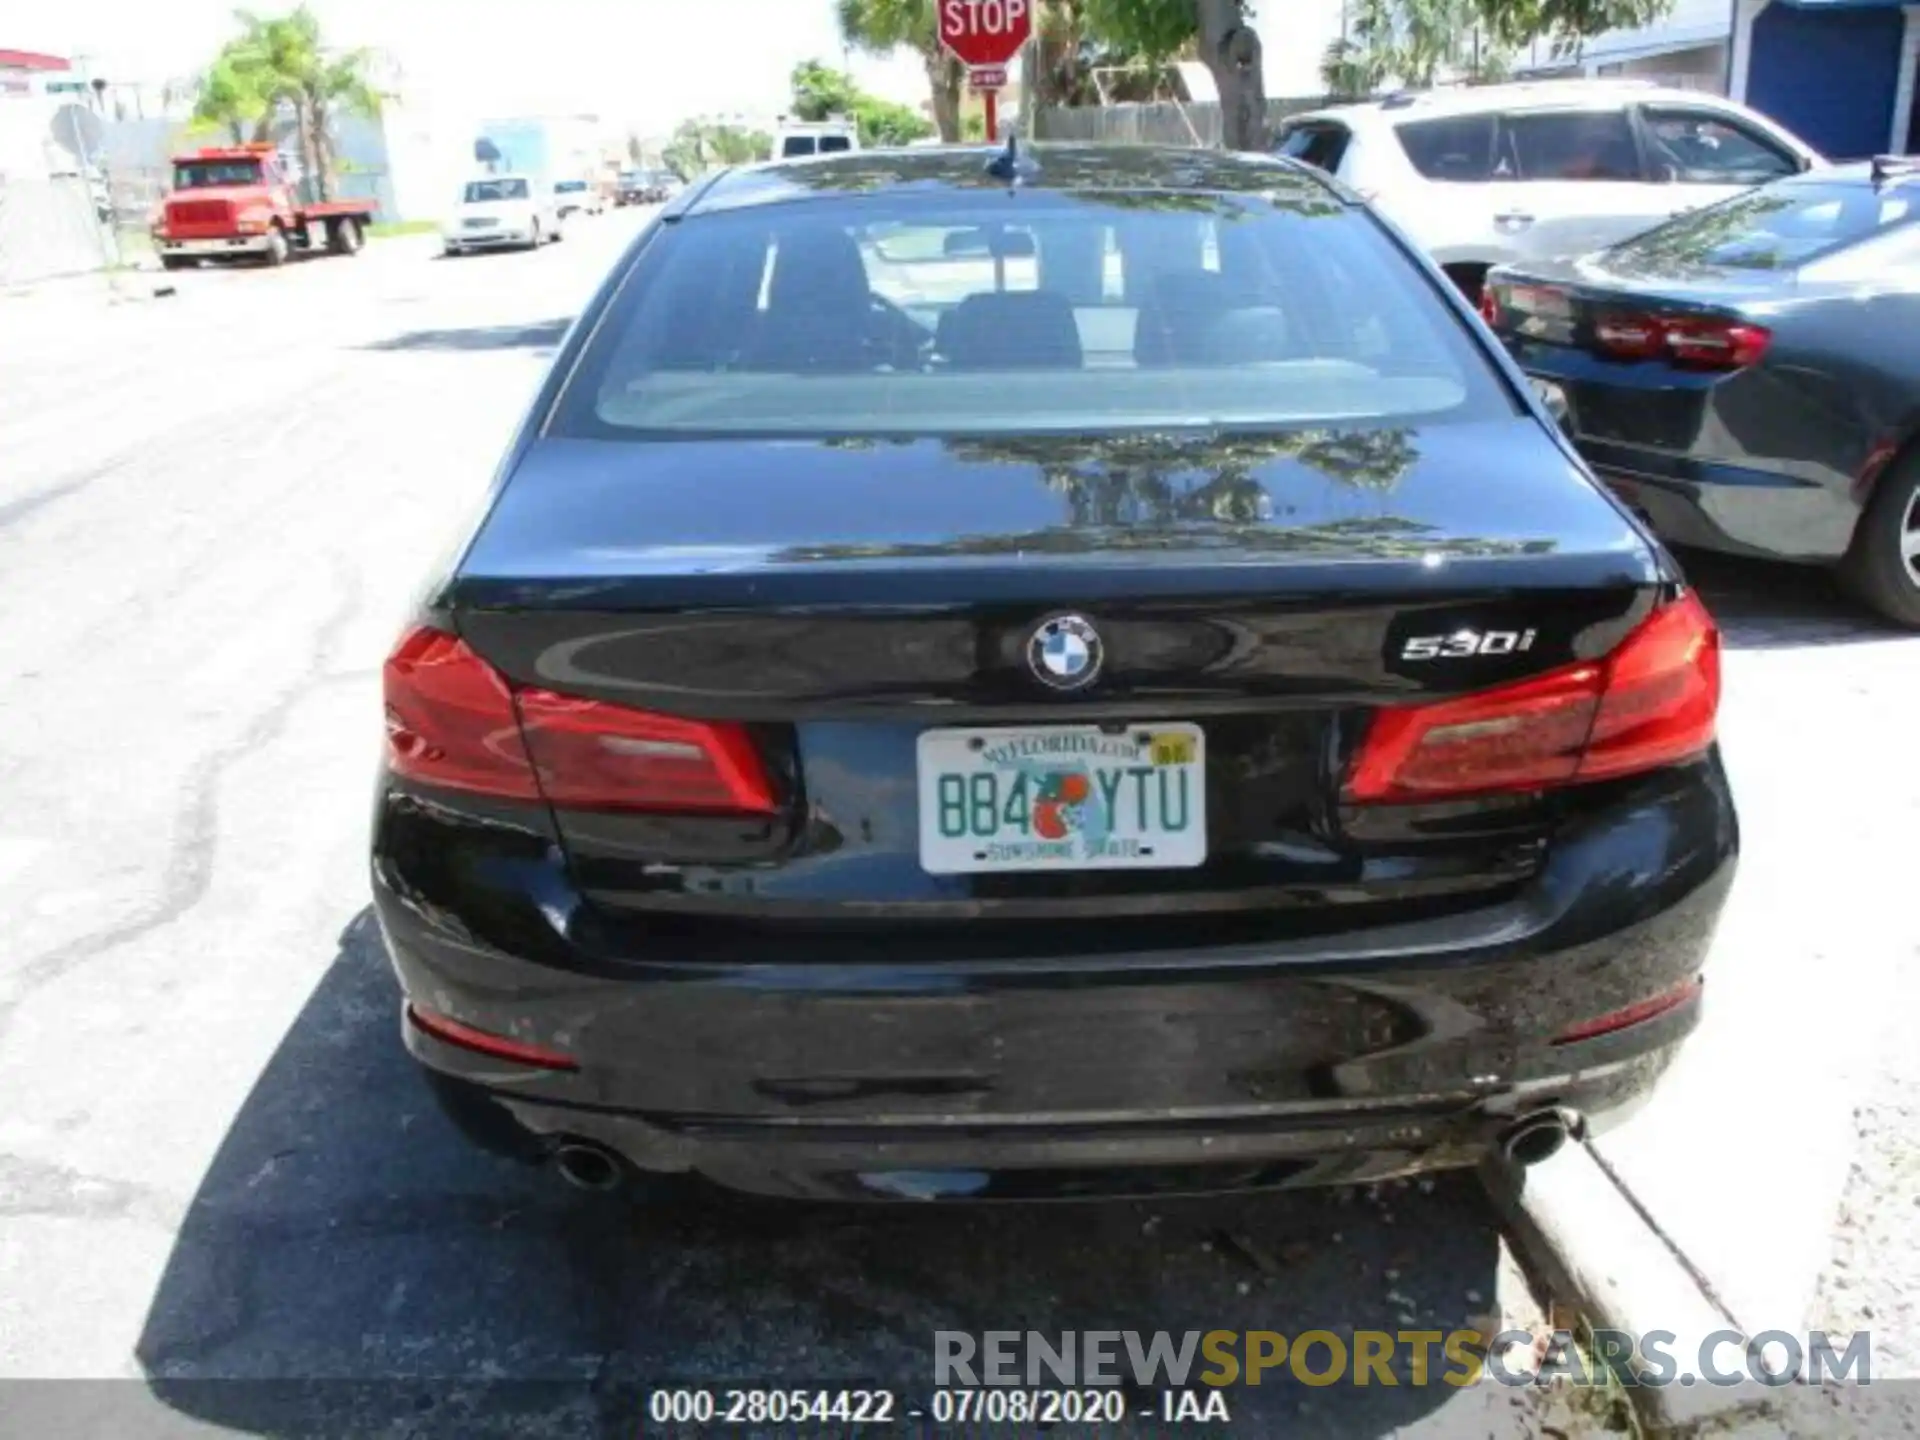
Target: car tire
1882,568
175,262
343,236
277,248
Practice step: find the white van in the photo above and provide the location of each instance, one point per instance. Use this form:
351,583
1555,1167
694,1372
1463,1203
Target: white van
794,139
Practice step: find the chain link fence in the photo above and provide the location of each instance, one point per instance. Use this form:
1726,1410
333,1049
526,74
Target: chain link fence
50,228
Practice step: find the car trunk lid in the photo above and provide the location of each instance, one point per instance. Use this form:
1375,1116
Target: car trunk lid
1257,596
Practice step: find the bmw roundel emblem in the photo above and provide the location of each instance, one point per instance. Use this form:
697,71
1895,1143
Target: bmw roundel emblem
1065,652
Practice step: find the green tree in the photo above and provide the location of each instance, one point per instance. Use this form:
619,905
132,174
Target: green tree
883,26
1067,51
282,60
702,145
228,98
820,92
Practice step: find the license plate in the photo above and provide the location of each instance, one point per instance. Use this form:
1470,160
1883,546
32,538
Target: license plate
1063,797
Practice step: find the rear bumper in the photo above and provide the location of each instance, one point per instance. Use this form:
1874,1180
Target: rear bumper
488,240
1342,1058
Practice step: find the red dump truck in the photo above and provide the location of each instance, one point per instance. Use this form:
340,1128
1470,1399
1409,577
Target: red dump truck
234,202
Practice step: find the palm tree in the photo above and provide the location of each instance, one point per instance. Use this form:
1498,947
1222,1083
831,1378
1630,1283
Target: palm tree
281,60
228,98
883,26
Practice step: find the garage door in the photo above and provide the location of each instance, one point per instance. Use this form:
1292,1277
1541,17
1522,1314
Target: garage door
1828,74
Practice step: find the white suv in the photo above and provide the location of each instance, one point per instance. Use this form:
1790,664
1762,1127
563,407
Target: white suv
1483,175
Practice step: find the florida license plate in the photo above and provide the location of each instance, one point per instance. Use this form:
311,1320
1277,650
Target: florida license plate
1063,797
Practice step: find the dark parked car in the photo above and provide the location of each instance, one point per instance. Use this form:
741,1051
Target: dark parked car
1152,704
1746,374
638,187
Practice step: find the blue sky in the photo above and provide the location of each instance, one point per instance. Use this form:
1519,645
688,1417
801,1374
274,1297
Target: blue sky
639,63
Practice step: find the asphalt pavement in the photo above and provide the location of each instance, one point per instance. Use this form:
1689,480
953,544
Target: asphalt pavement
216,1163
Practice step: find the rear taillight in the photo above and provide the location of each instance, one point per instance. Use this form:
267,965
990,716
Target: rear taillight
595,756
455,722
1698,342
450,719
1490,307
1652,702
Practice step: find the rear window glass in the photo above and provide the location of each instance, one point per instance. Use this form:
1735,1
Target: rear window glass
1458,148
833,144
795,145
961,314
1320,144
481,191
1567,145
1776,228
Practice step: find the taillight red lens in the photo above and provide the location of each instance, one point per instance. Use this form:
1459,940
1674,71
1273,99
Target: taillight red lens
452,722
1662,694
1652,702
594,756
1490,306
450,719
1696,341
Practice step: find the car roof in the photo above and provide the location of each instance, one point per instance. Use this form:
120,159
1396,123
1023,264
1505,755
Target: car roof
1062,167
1517,95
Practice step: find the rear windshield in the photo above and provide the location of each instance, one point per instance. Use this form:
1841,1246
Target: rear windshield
1320,143
1777,228
483,190
980,313
792,147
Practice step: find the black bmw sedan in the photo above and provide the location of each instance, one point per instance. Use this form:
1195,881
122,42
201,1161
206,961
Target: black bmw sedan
1085,672
1747,375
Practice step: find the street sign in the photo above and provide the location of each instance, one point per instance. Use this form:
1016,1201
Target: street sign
987,77
985,33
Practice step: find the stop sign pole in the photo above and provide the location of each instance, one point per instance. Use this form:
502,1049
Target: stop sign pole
984,36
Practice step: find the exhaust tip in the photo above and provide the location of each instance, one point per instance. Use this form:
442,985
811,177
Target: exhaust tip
1538,1138
587,1165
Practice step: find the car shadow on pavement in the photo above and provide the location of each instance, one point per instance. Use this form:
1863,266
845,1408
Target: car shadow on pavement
544,335
1770,605
349,1264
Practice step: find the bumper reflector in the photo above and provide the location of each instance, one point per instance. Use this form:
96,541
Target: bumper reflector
1635,1014
484,1043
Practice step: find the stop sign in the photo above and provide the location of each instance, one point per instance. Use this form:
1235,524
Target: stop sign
985,32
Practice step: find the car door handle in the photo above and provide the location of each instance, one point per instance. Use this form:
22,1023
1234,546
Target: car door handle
1515,219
